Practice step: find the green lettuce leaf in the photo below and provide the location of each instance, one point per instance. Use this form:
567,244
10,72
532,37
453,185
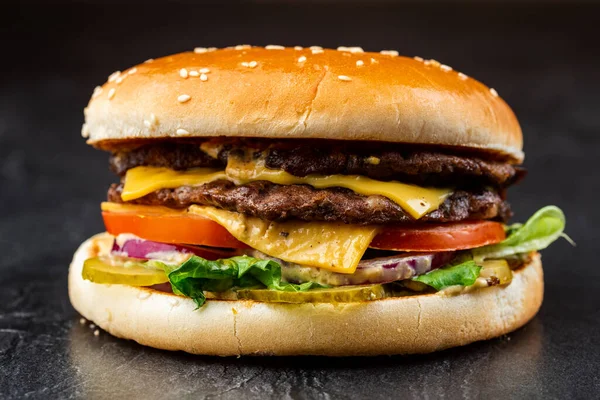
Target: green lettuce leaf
464,274
543,228
197,275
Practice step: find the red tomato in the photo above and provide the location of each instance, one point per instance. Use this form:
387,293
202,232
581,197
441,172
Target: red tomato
439,237
187,228
170,228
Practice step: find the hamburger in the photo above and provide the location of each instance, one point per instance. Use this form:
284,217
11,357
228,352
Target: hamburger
307,201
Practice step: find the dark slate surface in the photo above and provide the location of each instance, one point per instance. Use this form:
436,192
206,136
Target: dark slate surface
542,60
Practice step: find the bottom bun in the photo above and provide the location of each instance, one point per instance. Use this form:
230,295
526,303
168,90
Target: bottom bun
405,325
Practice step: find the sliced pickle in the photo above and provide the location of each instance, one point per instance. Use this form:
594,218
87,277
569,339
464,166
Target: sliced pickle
415,286
349,294
104,270
496,272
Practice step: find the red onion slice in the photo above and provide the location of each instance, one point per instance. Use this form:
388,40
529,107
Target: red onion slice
146,249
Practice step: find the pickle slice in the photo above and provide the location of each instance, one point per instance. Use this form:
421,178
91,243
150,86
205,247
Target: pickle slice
496,272
349,294
103,270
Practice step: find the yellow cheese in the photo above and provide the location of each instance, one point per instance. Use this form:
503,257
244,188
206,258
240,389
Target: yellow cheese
141,181
415,200
332,246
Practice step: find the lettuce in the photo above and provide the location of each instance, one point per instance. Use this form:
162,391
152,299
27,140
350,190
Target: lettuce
464,274
543,228
197,275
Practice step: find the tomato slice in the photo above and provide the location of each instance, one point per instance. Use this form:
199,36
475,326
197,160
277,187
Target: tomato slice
440,237
170,226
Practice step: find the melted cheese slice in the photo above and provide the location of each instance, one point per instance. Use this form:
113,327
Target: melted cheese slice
415,200
141,181
331,246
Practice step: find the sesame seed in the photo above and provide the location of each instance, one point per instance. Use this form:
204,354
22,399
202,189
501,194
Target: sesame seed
360,63
148,61
274,47
182,98
147,123
114,76
181,131
132,71
200,50
315,48
344,78
82,321
445,67
92,326
120,79
301,59
252,64
244,64
298,48
392,53
85,131
204,70
211,49
420,59
433,62
316,51
343,48
153,119
242,46
203,77
374,61
111,93
97,92
96,332
493,92
355,50
195,74
183,73
462,76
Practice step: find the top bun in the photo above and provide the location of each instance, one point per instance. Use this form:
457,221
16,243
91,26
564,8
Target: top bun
301,93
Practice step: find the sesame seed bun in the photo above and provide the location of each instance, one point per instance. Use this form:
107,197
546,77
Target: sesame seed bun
277,92
415,324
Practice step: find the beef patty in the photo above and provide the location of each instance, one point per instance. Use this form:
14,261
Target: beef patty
426,168
273,202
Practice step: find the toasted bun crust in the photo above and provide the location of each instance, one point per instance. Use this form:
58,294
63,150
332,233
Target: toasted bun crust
417,324
276,93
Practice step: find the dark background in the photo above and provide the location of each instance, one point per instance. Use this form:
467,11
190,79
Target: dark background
542,58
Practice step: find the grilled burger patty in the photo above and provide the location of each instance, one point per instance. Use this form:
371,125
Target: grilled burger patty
425,168
273,202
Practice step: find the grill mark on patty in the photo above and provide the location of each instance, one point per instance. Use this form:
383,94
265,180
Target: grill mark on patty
273,202
426,168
